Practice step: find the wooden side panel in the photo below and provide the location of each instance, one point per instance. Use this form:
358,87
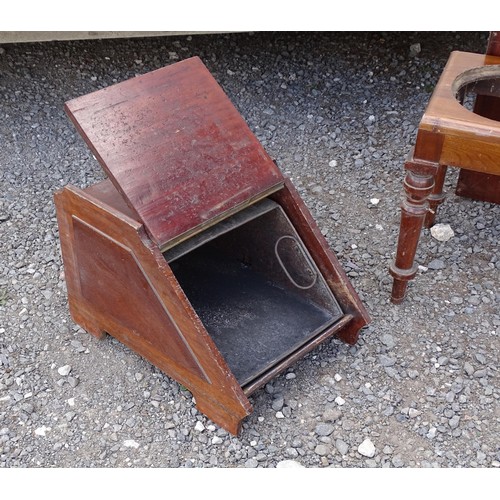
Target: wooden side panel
478,185
118,282
113,284
326,261
175,147
475,155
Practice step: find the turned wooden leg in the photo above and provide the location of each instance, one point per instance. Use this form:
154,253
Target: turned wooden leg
436,197
417,187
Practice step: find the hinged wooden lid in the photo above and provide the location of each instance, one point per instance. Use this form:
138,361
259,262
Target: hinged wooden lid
176,148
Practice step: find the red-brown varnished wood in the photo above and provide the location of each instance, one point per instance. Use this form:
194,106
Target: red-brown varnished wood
493,48
176,148
418,186
119,283
465,134
179,158
436,197
478,185
325,259
449,135
106,192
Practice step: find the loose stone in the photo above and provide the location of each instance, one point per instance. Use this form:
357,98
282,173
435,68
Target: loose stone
367,448
342,446
442,232
388,340
386,360
278,403
436,264
469,369
322,450
73,382
324,429
42,431
331,414
413,413
130,443
454,422
64,370
289,464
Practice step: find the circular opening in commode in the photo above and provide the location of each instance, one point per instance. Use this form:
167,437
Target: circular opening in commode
483,82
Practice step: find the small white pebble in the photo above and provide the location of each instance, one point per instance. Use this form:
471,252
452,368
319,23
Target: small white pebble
289,464
199,427
367,448
64,370
442,232
130,443
41,431
340,401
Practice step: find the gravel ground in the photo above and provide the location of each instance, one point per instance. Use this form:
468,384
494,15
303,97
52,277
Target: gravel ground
339,112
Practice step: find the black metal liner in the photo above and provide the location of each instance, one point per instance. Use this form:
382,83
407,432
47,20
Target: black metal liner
243,295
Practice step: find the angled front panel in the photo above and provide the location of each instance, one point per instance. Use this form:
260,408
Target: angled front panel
176,148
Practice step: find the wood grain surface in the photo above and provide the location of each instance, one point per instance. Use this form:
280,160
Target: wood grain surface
176,148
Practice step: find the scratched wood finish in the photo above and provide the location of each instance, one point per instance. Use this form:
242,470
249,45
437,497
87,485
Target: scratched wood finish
465,134
325,259
493,48
478,185
179,157
175,147
119,284
449,135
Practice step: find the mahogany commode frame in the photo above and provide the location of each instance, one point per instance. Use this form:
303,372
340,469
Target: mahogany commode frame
196,252
451,135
